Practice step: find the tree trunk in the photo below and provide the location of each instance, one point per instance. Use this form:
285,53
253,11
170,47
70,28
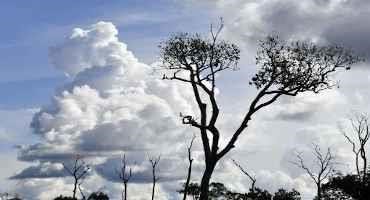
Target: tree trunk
153,190
363,156
187,181
204,185
125,191
74,189
319,191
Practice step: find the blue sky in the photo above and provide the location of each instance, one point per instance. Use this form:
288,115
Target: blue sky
27,79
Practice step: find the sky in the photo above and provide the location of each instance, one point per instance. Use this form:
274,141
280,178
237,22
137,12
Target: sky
77,78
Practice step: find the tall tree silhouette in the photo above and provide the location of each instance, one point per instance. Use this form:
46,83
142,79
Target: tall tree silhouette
190,159
124,174
284,69
325,162
361,134
78,171
154,164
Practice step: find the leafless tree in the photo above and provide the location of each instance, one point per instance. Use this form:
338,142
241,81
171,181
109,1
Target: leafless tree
190,159
252,178
154,162
124,176
325,162
284,69
78,171
81,190
360,127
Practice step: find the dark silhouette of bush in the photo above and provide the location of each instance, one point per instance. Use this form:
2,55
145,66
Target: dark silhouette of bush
220,191
258,194
346,186
98,196
282,194
61,197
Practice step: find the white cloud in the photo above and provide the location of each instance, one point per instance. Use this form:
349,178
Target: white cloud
113,103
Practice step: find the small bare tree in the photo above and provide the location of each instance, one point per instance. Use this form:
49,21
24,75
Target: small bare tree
252,178
285,69
154,162
190,159
124,176
360,127
81,190
78,171
325,162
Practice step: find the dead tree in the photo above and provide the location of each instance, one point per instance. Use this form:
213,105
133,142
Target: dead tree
124,176
252,178
78,171
360,127
154,162
325,163
190,159
81,191
285,69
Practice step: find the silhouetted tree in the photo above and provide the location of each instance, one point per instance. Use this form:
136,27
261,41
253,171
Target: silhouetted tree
190,159
360,127
348,186
258,194
217,190
154,162
81,191
252,178
98,196
193,190
283,194
124,176
325,163
78,171
284,69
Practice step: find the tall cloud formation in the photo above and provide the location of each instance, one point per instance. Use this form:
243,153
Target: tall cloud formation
112,104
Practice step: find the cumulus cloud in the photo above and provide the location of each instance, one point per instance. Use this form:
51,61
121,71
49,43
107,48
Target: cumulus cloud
112,104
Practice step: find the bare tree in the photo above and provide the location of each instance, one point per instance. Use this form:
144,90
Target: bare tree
124,176
81,190
78,171
154,162
360,127
284,69
252,178
325,162
190,159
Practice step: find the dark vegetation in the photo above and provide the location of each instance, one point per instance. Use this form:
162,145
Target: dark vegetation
284,69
